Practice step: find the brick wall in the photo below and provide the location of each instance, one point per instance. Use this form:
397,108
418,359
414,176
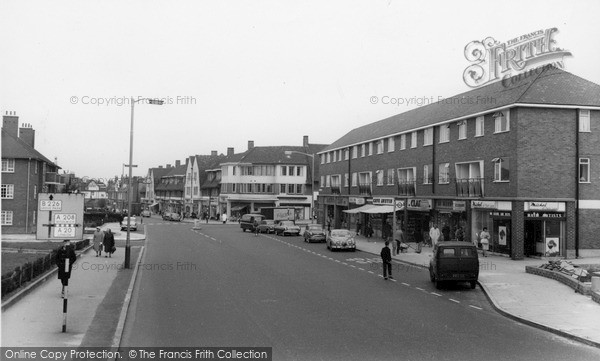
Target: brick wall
24,214
564,279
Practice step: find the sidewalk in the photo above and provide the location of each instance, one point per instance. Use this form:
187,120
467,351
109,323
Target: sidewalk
534,300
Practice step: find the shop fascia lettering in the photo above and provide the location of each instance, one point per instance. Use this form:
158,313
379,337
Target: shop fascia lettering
545,206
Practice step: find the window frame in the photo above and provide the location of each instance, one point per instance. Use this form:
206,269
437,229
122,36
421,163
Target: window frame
413,140
462,129
587,164
391,144
7,191
585,125
444,131
8,168
5,216
441,173
480,126
498,122
428,136
498,166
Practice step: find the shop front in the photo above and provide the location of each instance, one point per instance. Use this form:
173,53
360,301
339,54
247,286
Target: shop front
496,216
449,215
545,229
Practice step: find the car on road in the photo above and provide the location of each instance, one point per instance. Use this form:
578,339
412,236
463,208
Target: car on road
287,228
454,262
340,239
247,221
132,224
171,216
266,226
146,213
314,232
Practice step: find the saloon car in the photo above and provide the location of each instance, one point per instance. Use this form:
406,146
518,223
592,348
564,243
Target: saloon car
340,239
314,233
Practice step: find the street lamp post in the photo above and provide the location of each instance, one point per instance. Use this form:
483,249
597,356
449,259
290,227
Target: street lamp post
312,186
130,166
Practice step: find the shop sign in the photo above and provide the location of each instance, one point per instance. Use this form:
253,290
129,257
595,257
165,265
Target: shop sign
383,201
500,214
459,206
356,200
419,204
484,204
329,200
542,206
341,201
543,215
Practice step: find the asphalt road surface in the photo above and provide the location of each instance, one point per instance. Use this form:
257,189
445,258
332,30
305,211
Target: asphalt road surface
221,287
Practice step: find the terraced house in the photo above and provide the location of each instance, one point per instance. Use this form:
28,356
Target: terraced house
522,160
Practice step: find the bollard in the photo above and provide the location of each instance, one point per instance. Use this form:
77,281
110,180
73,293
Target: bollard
596,284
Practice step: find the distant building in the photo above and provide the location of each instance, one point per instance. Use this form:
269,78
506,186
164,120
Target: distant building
25,173
169,190
198,177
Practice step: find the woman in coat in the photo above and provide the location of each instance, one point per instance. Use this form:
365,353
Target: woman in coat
108,243
98,240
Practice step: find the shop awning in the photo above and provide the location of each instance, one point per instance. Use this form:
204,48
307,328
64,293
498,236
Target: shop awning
238,208
380,209
360,209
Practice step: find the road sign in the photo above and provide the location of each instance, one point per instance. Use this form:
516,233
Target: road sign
50,205
64,231
60,216
65,218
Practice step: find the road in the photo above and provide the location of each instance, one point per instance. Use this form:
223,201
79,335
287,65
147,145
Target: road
221,287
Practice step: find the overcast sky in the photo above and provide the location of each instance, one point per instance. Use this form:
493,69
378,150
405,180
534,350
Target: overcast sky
233,71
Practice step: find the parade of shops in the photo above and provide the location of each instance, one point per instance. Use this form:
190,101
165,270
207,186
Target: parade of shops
524,165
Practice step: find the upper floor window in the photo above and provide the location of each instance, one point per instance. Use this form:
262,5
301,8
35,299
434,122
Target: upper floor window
283,170
391,144
390,177
403,141
479,130
354,179
334,156
428,174
584,170
502,121
291,170
346,154
8,165
501,169
444,133
7,218
322,156
462,129
584,124
370,148
363,150
444,173
355,152
379,177
7,191
380,146
346,180
428,136
413,140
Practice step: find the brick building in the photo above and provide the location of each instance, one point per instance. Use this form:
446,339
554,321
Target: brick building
521,160
25,174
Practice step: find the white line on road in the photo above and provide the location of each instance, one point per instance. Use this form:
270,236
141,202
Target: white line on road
419,288
338,261
475,307
353,266
406,284
362,269
371,272
453,300
344,263
436,294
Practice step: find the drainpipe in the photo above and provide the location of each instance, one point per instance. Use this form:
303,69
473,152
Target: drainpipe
577,186
28,191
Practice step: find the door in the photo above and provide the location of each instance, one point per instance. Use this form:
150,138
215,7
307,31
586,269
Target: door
533,235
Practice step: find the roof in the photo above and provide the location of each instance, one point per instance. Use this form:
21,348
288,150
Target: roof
275,155
551,86
13,147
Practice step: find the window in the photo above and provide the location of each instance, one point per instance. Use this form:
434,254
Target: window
35,191
7,218
291,171
354,179
584,170
462,129
355,152
7,191
479,130
299,188
346,154
299,171
379,177
403,142
428,136
328,181
284,170
362,150
290,188
391,144
346,180
427,174
8,165
334,156
390,177
444,173
322,156
322,180
444,133
380,146
502,121
413,140
501,169
584,124
370,148
406,175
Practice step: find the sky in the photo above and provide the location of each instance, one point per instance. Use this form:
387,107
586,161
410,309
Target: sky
233,71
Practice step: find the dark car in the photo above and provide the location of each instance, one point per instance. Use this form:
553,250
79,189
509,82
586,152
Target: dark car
314,232
287,228
266,226
454,262
247,221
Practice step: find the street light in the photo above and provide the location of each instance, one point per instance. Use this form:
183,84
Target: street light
312,186
130,165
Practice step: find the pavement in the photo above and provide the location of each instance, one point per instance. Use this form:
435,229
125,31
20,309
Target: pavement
100,291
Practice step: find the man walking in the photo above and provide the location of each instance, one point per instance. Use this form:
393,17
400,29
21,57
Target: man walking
386,257
398,240
434,234
65,257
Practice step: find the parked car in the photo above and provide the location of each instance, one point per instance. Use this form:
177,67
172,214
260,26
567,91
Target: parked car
287,227
314,232
247,221
132,224
146,213
454,262
340,239
266,226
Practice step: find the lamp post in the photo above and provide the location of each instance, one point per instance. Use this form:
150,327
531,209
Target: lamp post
312,186
130,166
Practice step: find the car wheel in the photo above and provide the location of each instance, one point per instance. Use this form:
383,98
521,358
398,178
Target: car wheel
243,229
473,284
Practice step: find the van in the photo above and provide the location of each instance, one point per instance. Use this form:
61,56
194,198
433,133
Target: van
454,262
247,221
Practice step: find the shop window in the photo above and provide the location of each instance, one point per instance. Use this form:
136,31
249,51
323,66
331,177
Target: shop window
584,170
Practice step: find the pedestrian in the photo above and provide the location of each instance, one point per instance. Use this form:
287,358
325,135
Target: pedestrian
329,225
459,234
65,257
98,239
358,226
446,232
485,241
368,230
255,227
398,240
434,234
108,243
224,218
386,258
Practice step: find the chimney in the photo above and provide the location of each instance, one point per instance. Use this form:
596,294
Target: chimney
27,134
177,163
229,151
160,167
250,144
305,141
213,153
168,165
10,123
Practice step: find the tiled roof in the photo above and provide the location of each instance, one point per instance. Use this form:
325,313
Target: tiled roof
549,86
16,148
275,155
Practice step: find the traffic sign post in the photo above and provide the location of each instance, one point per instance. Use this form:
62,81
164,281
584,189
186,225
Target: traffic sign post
64,215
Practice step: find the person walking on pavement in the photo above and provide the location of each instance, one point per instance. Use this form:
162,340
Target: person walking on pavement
485,241
224,218
398,240
386,257
63,255
108,243
460,234
434,234
98,239
446,232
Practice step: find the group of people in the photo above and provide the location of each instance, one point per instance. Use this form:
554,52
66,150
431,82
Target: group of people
104,241
435,235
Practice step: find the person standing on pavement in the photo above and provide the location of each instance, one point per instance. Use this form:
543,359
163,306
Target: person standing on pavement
224,218
434,234
65,257
108,243
446,232
98,239
255,227
398,240
485,241
386,257
358,225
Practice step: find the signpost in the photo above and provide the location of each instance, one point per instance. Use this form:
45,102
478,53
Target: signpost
64,215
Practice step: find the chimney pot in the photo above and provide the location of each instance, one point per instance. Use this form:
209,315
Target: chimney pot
213,153
250,144
177,163
305,141
230,151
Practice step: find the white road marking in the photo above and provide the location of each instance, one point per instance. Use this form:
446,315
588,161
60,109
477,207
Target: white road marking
475,307
436,294
419,288
453,300
362,269
371,272
406,284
